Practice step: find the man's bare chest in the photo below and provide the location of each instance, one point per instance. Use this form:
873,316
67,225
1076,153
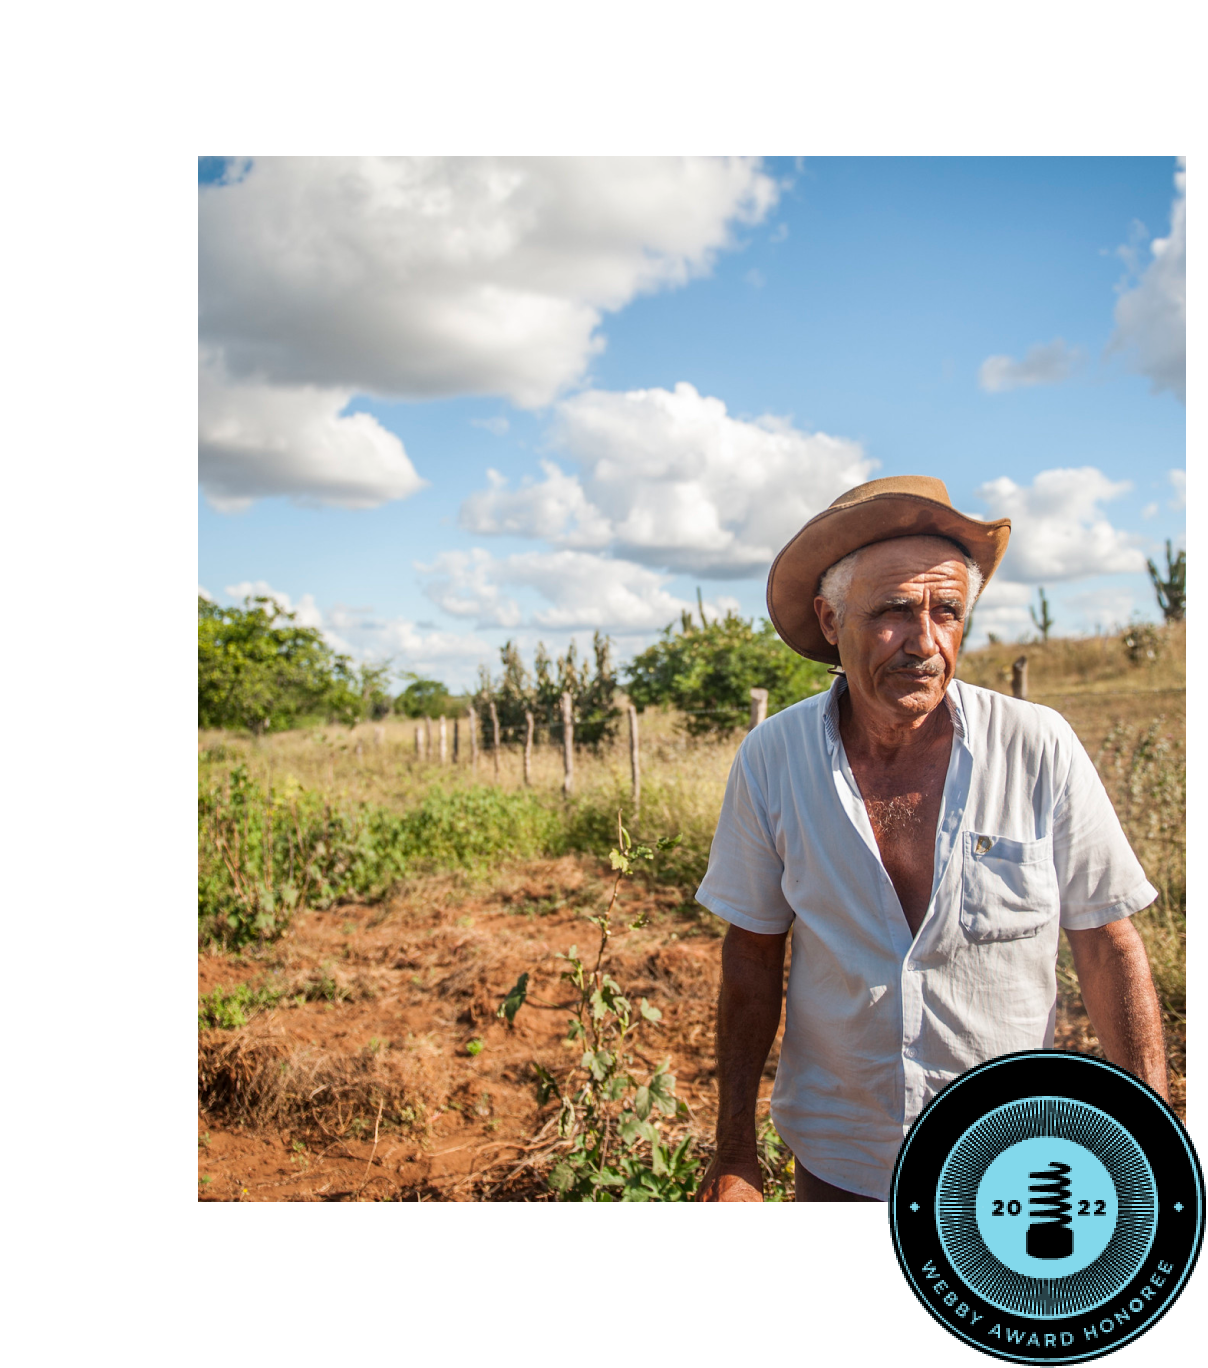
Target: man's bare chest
903,805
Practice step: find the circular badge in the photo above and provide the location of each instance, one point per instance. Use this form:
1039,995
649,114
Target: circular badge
1047,1207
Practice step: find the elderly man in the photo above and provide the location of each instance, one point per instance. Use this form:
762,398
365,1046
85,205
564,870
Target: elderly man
924,840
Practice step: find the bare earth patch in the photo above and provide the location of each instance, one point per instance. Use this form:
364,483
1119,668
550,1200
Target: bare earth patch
382,1073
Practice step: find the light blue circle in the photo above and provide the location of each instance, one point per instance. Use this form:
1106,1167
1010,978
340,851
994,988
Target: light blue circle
1011,1201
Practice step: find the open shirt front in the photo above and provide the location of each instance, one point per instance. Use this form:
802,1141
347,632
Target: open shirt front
878,1021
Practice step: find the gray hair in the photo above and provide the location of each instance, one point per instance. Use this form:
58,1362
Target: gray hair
835,582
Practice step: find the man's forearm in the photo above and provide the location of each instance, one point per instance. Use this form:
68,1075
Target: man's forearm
1117,988
748,1015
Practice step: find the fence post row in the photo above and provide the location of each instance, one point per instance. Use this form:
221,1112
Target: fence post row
1019,677
528,748
568,745
635,761
759,708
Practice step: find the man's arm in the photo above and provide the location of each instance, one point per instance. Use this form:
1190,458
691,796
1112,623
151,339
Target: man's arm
748,1015
1117,988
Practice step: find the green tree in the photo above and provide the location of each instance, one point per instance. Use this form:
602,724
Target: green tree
592,691
1171,591
257,669
708,672
425,698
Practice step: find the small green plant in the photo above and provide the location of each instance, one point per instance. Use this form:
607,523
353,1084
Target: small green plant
609,1117
776,1161
205,1180
1043,621
473,1047
227,1009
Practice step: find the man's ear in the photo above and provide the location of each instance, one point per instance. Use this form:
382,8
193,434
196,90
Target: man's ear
828,620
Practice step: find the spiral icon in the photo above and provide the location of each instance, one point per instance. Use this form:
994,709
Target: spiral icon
1050,1235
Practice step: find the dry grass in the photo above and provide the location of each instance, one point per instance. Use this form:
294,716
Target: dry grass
1067,666
260,1077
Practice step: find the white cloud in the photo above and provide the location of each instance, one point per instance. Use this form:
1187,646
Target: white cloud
1059,531
1105,609
1149,511
1151,313
256,440
1003,610
424,277
669,479
497,426
1178,478
556,508
466,584
577,590
306,612
1046,363
361,634
204,593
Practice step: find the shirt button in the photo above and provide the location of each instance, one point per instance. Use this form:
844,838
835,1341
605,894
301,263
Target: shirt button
912,1052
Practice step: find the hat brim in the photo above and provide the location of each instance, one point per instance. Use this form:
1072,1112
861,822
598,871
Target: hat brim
837,532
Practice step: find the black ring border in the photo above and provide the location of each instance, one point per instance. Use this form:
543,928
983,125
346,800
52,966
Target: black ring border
1164,1110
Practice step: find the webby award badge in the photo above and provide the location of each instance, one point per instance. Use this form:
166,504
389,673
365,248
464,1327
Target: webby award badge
1047,1207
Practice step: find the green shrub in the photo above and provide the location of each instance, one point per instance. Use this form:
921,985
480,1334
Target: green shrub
708,672
264,853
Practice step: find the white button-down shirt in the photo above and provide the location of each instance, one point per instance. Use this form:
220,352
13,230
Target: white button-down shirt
879,1021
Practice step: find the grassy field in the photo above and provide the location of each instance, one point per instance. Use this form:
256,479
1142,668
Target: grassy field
363,910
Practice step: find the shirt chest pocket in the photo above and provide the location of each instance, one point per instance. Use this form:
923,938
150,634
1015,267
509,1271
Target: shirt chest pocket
1009,887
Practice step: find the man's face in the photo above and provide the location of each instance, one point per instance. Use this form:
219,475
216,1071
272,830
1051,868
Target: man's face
901,632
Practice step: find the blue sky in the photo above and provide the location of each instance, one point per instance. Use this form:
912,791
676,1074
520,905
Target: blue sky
668,367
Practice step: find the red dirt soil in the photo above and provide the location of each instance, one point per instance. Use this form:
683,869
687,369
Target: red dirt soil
416,980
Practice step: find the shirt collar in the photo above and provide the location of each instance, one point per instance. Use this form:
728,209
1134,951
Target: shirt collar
830,715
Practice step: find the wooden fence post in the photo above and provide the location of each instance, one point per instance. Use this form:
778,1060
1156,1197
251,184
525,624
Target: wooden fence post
568,745
444,742
635,761
495,736
419,745
1019,677
428,739
759,707
472,727
456,739
528,748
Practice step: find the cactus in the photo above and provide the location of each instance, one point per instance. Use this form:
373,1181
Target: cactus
1043,620
1171,591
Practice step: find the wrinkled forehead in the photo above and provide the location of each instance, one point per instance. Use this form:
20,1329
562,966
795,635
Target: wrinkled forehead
908,565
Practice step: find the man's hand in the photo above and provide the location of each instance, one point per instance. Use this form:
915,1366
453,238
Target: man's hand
732,1181
1117,988
748,1014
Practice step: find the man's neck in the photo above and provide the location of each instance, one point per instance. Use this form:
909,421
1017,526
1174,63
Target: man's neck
867,732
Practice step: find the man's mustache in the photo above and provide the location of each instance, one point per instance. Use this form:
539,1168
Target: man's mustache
920,668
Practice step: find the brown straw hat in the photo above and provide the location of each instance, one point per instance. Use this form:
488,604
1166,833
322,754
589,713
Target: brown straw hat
882,510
